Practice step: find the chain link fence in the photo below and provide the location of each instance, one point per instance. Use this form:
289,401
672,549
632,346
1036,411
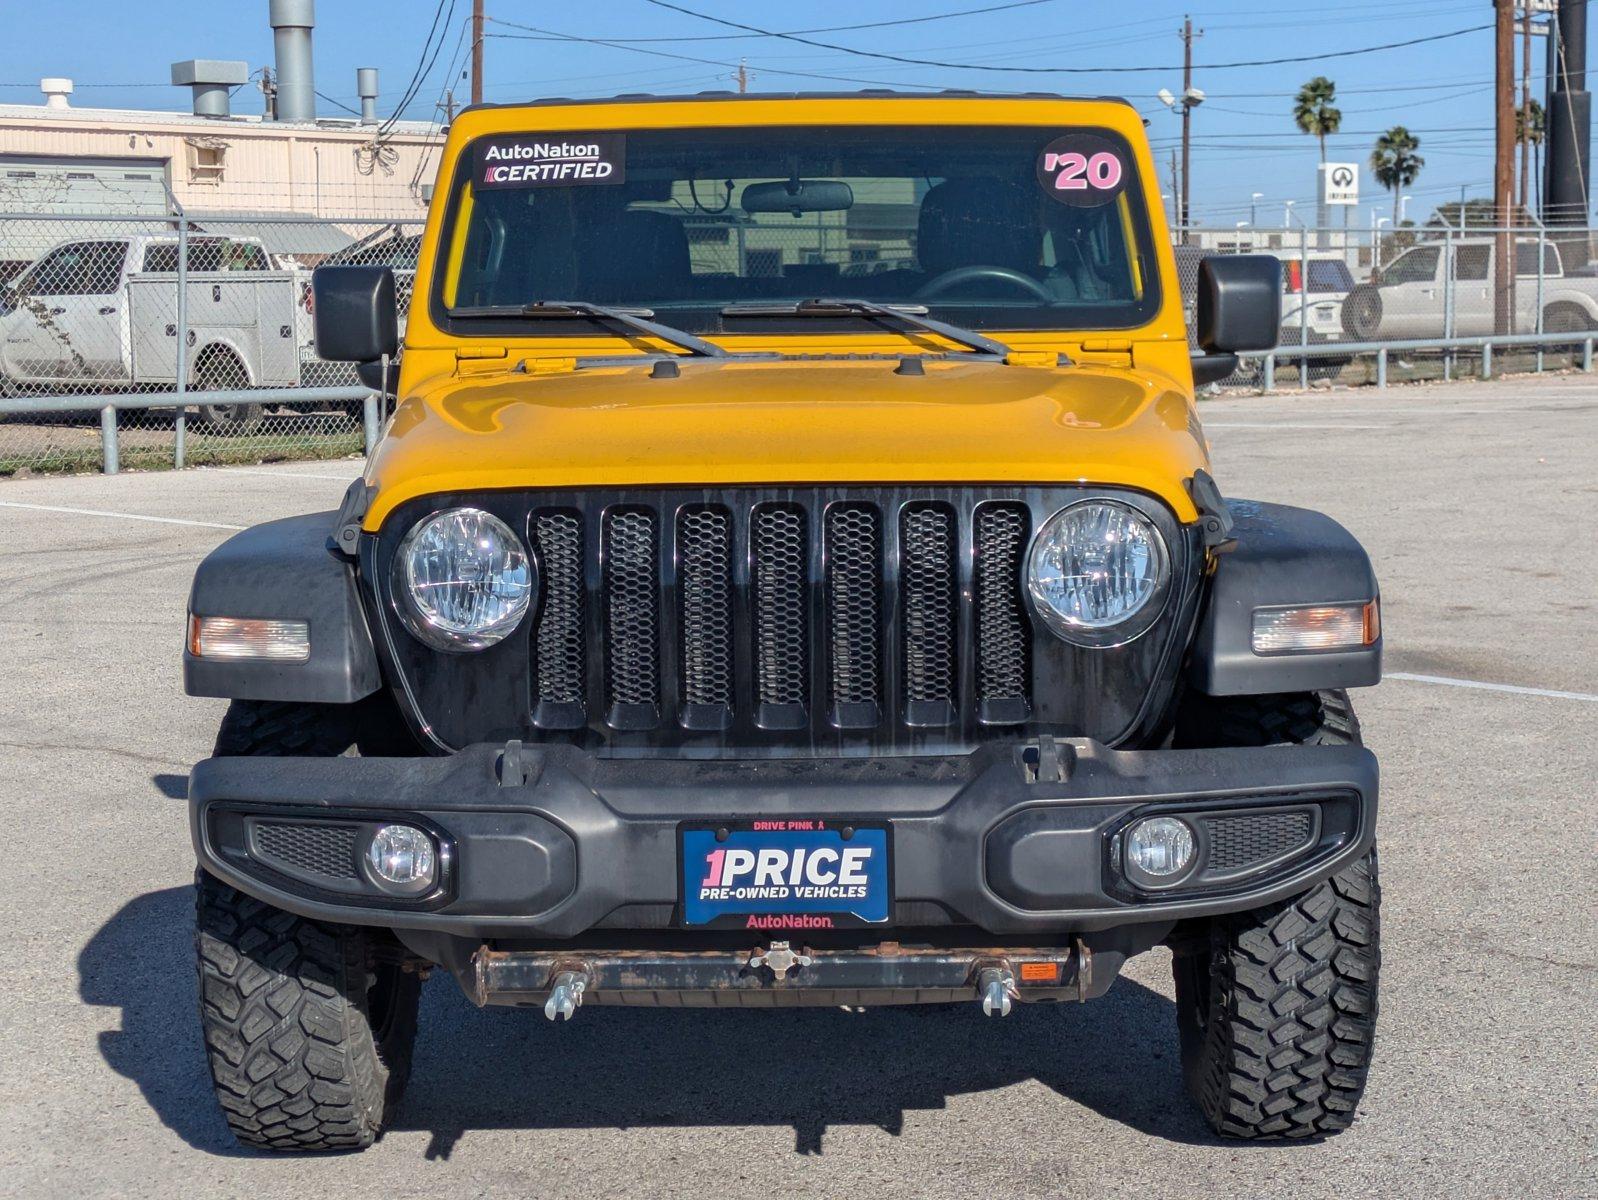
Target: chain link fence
1417,303
157,341
163,341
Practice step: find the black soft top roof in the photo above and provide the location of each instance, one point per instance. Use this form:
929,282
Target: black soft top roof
727,94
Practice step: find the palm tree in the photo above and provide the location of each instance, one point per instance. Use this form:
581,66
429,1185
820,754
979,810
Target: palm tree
1395,163
1313,111
1533,131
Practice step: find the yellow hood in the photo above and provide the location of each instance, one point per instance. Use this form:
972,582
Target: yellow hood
791,422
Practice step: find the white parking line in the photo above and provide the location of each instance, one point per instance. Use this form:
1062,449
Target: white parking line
121,516
287,474
1282,425
1491,687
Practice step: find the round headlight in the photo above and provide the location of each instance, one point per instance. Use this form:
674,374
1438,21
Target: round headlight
463,579
1098,572
1160,847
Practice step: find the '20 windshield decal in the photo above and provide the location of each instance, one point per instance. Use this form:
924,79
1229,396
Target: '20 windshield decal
1083,169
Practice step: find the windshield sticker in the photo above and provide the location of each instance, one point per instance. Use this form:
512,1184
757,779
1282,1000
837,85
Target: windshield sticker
523,162
1083,169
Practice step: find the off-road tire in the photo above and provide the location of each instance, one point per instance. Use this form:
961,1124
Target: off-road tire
308,1029
1288,719
309,1026
1276,1007
279,729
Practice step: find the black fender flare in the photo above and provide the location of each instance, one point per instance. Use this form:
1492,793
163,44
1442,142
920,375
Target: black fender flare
286,570
1283,556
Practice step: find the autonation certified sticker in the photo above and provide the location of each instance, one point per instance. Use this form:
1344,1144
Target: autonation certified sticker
785,874
551,161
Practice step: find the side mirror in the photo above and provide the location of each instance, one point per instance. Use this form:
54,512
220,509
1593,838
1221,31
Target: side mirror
1239,307
356,318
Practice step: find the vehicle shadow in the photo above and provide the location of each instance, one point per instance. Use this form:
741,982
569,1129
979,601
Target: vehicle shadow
809,1069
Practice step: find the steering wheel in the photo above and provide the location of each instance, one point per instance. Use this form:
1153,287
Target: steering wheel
950,280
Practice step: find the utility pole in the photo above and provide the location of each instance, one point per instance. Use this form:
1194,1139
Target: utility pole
1504,164
1176,190
449,106
1187,112
742,77
1525,109
477,51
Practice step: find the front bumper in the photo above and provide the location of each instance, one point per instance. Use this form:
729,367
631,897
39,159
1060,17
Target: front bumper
541,843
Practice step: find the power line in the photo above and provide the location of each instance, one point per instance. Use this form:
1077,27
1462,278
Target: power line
711,62
956,66
337,103
424,65
743,37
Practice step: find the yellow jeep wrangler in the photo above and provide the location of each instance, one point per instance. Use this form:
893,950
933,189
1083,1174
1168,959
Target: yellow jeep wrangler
790,576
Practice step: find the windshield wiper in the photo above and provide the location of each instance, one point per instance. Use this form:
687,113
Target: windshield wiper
635,319
907,315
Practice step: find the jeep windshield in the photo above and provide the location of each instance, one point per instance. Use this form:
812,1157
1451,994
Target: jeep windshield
715,230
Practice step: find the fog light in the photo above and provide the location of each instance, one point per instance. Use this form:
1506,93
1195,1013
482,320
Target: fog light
402,856
1160,847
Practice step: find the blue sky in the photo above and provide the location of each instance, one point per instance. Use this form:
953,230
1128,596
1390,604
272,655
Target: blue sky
1244,137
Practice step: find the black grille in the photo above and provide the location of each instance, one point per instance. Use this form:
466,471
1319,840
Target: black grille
854,598
1004,636
704,589
927,583
559,647
632,618
748,612
307,848
1242,841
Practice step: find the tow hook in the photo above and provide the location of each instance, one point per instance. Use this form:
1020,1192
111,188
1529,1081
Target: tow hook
566,997
780,957
996,988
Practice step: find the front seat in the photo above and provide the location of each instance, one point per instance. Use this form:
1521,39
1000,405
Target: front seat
636,257
979,222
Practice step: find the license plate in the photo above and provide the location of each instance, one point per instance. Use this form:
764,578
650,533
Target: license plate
786,874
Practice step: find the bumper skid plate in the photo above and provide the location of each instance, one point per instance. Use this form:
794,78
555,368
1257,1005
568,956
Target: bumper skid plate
778,976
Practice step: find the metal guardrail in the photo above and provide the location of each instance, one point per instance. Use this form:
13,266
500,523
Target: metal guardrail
110,404
1484,343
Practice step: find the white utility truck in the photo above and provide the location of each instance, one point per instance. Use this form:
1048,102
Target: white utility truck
101,315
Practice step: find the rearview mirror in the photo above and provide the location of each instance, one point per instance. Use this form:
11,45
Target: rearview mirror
797,196
356,317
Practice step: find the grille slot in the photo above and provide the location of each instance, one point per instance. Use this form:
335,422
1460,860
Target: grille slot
854,616
560,647
1004,635
704,590
307,848
632,618
928,587
1246,840
780,552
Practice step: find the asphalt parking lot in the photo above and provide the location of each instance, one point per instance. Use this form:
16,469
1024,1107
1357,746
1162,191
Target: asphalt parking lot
1477,503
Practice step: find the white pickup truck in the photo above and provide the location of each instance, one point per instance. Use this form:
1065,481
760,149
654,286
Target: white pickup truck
100,315
1409,298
